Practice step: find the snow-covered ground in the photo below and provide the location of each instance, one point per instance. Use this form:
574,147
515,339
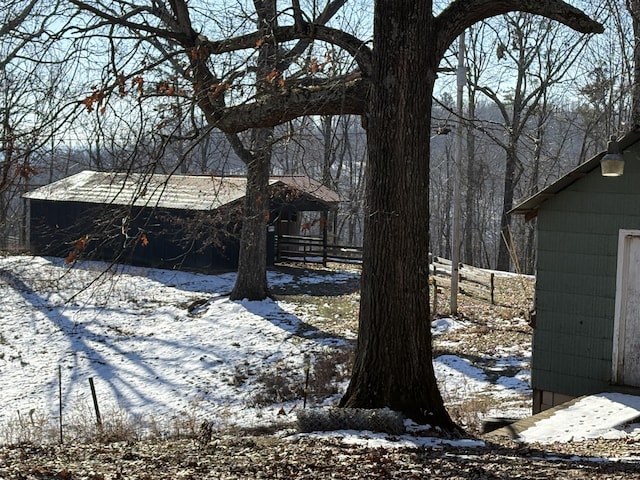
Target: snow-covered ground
167,345
143,338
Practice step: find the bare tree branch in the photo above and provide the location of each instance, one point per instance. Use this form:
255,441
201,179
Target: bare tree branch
461,14
334,98
180,37
353,45
13,23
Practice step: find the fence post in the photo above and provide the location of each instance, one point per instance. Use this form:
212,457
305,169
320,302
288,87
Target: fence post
435,298
492,289
95,404
60,402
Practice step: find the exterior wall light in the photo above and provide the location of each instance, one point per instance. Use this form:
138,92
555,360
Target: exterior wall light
612,163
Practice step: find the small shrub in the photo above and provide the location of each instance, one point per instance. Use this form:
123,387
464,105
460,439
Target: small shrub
329,369
277,388
33,428
117,425
120,426
469,412
187,423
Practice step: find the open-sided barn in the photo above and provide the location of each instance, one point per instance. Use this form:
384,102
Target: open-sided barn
587,323
169,221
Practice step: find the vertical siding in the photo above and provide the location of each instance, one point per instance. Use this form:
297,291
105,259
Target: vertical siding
576,280
56,227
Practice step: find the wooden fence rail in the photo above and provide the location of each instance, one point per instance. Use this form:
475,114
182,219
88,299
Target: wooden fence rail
474,281
315,249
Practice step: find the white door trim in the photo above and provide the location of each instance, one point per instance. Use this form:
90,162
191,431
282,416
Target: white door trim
622,274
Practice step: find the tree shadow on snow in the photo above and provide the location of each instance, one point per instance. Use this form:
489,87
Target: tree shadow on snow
128,389
293,325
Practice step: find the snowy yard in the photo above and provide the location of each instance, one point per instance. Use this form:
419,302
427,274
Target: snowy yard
161,345
169,349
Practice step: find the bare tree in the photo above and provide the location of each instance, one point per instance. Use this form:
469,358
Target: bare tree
409,43
391,85
529,46
633,7
34,84
251,281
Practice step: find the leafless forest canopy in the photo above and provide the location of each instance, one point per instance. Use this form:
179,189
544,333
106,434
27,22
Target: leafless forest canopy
539,99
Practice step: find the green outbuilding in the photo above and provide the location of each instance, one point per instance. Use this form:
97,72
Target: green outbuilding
587,309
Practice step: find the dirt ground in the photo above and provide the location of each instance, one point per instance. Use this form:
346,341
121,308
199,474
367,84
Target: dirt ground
227,458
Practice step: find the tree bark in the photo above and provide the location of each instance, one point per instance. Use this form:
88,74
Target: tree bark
472,177
504,250
393,365
251,282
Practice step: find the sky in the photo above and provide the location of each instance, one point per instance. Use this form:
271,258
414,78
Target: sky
165,346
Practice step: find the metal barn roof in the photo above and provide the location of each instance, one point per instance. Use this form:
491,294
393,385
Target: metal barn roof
185,192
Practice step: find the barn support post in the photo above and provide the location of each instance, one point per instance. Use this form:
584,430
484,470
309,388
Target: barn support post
323,223
26,224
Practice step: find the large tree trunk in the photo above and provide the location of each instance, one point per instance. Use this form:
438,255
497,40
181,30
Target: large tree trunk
251,282
504,250
393,365
473,185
